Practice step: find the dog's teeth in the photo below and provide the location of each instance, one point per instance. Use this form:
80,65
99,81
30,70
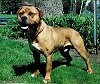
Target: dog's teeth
25,27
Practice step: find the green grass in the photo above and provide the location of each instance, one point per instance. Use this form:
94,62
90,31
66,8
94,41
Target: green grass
7,16
15,56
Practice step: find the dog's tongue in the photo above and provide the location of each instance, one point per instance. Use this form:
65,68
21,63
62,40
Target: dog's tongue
26,27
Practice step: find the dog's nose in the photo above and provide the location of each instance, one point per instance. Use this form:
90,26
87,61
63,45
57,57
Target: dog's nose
24,18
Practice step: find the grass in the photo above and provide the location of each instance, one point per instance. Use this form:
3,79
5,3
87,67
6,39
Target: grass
16,66
7,16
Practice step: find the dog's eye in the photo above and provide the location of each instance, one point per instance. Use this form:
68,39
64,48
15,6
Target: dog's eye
21,13
31,13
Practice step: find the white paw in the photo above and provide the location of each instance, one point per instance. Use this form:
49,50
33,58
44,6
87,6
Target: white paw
32,75
64,65
45,81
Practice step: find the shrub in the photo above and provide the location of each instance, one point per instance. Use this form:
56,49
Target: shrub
12,30
83,23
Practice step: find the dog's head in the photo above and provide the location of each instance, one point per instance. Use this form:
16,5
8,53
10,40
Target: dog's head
28,16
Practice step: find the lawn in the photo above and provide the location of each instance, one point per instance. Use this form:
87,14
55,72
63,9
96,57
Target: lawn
7,16
16,65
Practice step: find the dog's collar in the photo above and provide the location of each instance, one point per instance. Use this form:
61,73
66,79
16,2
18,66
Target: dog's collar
35,30
39,30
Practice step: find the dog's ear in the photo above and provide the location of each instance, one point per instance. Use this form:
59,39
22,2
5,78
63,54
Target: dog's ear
40,12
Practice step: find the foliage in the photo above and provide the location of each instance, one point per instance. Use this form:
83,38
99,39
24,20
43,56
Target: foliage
9,6
67,6
12,30
82,23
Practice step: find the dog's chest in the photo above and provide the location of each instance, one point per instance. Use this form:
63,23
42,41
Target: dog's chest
35,46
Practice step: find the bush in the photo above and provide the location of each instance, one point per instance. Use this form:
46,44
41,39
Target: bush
82,23
12,30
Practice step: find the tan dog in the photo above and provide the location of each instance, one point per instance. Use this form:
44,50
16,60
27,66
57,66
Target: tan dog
46,40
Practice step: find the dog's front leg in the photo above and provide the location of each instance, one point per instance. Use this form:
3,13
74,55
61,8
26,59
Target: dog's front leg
36,56
48,68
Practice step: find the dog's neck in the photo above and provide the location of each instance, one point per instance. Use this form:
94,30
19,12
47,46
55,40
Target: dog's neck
34,31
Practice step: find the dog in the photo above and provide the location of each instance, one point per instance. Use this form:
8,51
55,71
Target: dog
46,40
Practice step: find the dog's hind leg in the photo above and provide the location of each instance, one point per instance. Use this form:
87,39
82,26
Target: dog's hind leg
36,56
78,44
65,53
83,53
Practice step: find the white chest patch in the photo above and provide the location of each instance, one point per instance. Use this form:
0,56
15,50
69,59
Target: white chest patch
65,50
36,46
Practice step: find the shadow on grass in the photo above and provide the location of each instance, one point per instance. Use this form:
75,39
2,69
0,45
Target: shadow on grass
19,70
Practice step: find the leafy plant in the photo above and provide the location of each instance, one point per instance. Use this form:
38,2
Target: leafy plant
8,6
12,30
83,23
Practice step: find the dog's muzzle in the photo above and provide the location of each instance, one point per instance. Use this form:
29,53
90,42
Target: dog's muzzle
24,22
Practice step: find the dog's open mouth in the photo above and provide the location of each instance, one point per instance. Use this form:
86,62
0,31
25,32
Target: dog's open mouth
24,27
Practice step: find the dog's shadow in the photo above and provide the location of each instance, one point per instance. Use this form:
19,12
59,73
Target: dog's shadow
19,70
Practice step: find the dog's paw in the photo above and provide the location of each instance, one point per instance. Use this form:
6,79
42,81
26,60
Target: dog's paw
46,81
89,71
64,65
35,73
